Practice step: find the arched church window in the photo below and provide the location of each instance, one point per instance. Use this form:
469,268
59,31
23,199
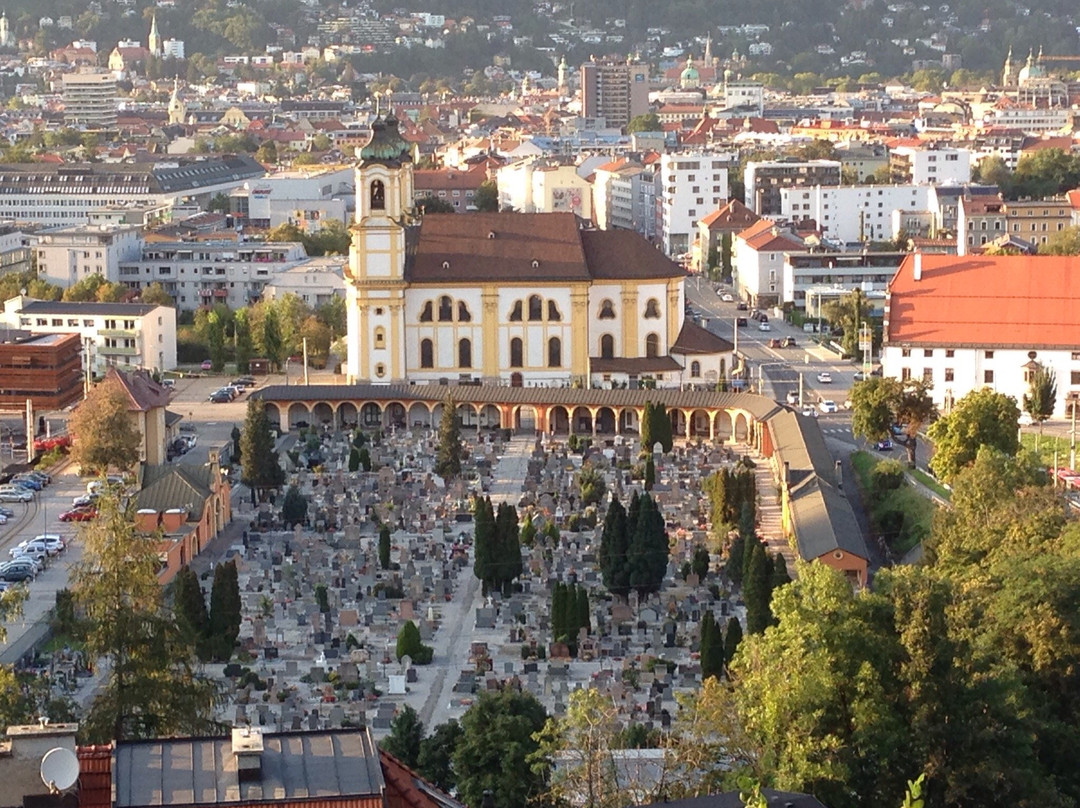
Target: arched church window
463,312
607,347
607,310
464,352
378,195
516,353
652,309
446,309
554,352
515,312
425,313
536,308
553,312
652,346
427,353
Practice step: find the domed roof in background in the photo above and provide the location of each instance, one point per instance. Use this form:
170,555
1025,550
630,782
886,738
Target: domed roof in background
690,76
386,145
1033,69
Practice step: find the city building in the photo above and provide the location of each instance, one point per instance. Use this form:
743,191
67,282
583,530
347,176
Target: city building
305,197
44,368
125,335
930,164
987,321
90,99
743,97
453,186
813,278
613,193
983,220
200,273
16,250
758,255
615,91
692,185
544,185
728,220
316,281
852,213
519,299
52,195
71,254
763,180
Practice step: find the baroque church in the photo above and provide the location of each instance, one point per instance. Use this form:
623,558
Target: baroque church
523,299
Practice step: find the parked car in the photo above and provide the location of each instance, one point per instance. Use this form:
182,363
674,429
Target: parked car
809,411
827,405
84,514
17,571
824,377
15,495
85,500
6,511
740,322
206,364
219,397
792,397
740,306
789,342
26,481
884,445
727,297
1025,419
859,376
41,476
775,343
764,326
36,556
169,383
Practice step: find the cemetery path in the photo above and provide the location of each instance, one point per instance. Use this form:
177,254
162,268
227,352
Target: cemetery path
770,519
459,615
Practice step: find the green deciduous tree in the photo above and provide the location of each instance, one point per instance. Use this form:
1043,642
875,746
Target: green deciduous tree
648,122
1041,397
152,686
486,198
981,418
225,611
878,403
448,454
436,759
406,736
432,204
271,342
105,433
496,744
409,644
591,484
260,468
243,343
155,295
1064,242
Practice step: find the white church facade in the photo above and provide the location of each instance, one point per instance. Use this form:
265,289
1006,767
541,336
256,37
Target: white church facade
517,299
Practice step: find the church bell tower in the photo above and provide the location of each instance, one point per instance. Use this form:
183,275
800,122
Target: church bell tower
375,276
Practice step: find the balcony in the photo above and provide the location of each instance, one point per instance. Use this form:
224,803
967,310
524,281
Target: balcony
117,333
221,293
107,351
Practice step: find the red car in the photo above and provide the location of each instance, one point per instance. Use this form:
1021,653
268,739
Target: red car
78,515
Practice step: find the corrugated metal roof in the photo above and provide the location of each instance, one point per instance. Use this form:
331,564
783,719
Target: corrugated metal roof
202,771
168,487
759,407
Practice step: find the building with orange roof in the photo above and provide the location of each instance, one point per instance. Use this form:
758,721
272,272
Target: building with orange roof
965,323
759,262
728,220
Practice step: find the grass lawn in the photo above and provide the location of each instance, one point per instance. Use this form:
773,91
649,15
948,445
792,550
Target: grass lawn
898,513
931,483
1047,445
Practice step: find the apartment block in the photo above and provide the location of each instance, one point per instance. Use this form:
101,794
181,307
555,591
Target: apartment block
90,99
931,164
68,255
763,181
853,213
615,91
692,185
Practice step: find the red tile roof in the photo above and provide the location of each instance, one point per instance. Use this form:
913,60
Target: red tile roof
95,776
407,789
1020,301
734,217
144,393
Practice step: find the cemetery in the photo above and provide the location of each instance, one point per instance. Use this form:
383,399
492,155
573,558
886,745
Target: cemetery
323,616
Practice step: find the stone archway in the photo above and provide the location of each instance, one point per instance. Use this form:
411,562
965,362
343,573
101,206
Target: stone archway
394,415
525,419
581,421
678,423
605,421
628,421
273,415
489,417
299,415
370,415
322,413
346,415
699,424
466,415
741,427
419,415
558,420
722,422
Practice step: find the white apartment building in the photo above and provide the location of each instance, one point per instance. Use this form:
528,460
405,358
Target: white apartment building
68,255
758,256
763,180
544,185
317,281
692,185
931,164
58,196
127,336
744,96
853,213
1033,120
90,99
200,273
613,194
967,323
307,198
813,278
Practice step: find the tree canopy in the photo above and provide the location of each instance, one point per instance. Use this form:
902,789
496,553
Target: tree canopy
878,403
105,433
983,417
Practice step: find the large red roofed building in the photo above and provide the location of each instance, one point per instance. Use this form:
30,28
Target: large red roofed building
963,323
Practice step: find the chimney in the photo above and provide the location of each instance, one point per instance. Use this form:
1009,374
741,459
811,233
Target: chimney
917,274
787,474
172,519
32,741
247,746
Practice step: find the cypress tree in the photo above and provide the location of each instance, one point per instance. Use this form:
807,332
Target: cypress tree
632,513
508,543
558,612
648,549
484,540
384,547
189,606
747,521
648,437
613,547
354,459
712,648
736,557
756,590
662,432
225,606
732,638
583,620
259,466
448,454
779,572
650,473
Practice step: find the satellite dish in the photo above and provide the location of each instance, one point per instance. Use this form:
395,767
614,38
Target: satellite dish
59,769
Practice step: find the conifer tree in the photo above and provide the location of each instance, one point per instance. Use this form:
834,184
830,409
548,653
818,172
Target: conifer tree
354,459
224,611
583,619
189,606
648,549
384,547
259,465
732,638
448,454
756,589
613,550
736,557
484,540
